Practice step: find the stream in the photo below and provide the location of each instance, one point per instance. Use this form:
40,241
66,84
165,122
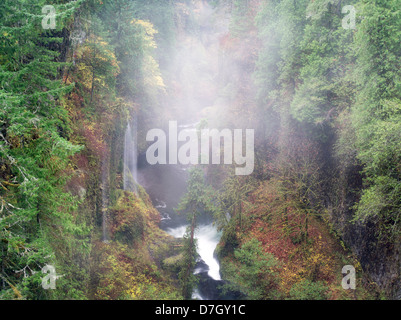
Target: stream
166,184
196,70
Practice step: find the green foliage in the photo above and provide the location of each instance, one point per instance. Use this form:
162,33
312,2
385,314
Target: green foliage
37,226
128,219
198,199
233,199
381,203
253,273
98,55
240,23
312,70
308,290
124,273
376,114
133,28
186,275
229,239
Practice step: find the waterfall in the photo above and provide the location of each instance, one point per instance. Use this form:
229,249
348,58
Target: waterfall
208,237
129,174
130,158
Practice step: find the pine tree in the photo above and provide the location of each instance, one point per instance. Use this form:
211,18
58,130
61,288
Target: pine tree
34,146
198,200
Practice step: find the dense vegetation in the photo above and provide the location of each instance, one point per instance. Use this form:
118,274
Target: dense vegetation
65,102
326,106
327,99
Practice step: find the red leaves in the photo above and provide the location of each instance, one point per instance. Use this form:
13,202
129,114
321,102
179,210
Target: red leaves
94,142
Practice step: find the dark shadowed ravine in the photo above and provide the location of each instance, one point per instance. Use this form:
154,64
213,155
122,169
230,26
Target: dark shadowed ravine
166,184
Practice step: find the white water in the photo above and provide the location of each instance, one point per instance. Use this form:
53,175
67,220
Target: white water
196,295
130,159
161,204
208,237
164,216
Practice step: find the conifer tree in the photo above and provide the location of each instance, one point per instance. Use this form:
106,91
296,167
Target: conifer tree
35,211
198,200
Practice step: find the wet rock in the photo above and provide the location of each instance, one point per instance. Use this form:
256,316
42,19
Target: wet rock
210,289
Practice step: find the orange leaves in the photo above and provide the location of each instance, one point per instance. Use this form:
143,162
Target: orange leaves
315,259
272,240
93,136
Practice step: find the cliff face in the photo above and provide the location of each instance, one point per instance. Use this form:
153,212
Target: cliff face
126,247
380,260
283,68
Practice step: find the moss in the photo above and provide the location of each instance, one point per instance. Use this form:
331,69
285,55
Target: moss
127,219
173,263
138,251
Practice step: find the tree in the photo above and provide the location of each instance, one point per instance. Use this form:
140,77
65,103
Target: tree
96,64
197,200
376,116
36,224
298,184
253,273
233,198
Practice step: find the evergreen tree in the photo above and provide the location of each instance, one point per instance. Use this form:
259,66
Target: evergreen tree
36,224
197,200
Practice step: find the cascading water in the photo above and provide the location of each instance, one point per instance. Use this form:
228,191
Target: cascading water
129,173
130,159
166,186
196,68
207,239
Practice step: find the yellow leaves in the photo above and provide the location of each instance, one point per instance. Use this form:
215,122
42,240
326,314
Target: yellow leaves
85,73
17,293
149,30
139,287
147,26
358,266
289,275
96,64
134,292
153,78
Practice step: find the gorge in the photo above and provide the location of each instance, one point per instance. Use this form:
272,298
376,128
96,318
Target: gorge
200,149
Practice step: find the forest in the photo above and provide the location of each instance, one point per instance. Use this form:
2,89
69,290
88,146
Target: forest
200,149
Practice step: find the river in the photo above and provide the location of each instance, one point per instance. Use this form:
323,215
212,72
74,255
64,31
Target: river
196,73
166,184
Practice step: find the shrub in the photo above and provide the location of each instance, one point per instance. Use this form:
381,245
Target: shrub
308,290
